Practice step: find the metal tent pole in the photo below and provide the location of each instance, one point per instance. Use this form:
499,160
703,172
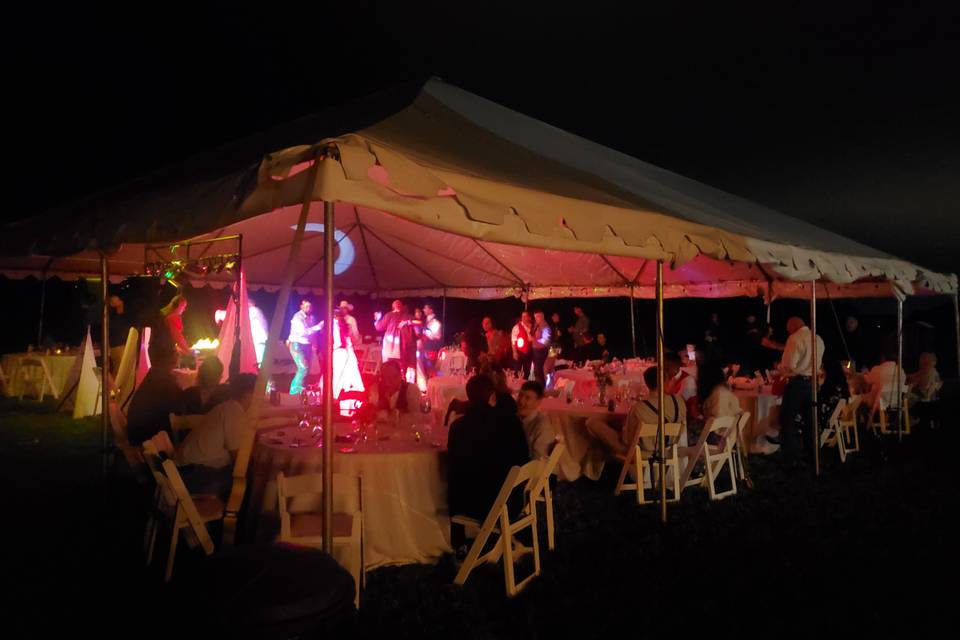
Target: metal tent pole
105,368
660,399
328,429
899,390
814,378
956,324
633,323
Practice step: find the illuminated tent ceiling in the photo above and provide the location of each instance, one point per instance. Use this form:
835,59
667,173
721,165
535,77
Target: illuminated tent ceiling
440,191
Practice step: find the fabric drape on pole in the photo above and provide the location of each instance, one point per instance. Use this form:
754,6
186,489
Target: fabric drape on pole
225,350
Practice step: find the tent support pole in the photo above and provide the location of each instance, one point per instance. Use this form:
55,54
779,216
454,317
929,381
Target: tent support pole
956,324
814,378
105,368
443,312
633,323
237,491
662,444
328,430
899,369
43,301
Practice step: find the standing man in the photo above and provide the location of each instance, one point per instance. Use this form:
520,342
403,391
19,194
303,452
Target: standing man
497,345
432,340
352,329
541,345
389,325
302,327
798,366
580,327
520,338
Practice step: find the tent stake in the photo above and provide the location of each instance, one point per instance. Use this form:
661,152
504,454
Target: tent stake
328,429
633,323
899,369
105,368
660,397
814,378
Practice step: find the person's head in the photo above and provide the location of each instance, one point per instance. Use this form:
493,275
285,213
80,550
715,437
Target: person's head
163,355
397,305
555,318
650,377
538,316
794,324
602,339
418,314
671,364
345,307
487,323
116,303
210,373
390,376
928,361
306,306
481,392
526,318
242,388
578,311
851,324
710,375
428,310
177,305
528,400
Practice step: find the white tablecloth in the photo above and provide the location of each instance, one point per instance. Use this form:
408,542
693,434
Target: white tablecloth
764,411
585,384
58,365
405,509
584,455
449,360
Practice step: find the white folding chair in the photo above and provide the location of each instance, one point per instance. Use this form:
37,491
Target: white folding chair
832,436
33,372
305,527
847,425
541,491
118,424
639,460
182,510
715,457
498,522
888,400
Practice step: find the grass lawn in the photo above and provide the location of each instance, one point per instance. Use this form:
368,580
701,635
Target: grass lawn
865,549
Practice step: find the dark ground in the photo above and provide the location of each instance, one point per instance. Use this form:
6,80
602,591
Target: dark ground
867,550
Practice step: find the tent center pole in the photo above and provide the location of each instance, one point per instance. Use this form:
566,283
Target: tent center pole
956,324
633,323
105,368
328,430
662,444
814,378
899,391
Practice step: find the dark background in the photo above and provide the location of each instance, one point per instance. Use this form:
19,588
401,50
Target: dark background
841,114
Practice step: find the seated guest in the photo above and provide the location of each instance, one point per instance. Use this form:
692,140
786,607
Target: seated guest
206,456
833,389
158,395
209,392
536,426
676,380
713,400
883,379
645,411
482,447
505,402
392,392
925,383
589,350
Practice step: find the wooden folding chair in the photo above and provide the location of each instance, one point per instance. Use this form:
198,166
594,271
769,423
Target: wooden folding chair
716,457
742,448
498,522
639,460
305,528
118,425
182,510
35,373
541,491
878,419
832,436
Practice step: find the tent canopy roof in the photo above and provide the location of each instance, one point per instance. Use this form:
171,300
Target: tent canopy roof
441,190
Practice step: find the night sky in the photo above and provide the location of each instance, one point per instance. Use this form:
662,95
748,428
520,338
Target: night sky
845,116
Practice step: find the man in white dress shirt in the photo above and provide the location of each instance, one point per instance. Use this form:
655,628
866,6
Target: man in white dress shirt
302,327
799,368
390,324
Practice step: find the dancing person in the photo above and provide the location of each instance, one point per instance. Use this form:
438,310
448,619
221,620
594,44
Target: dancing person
498,345
410,327
432,341
521,339
798,366
389,326
206,456
302,328
541,345
346,367
536,427
482,447
353,330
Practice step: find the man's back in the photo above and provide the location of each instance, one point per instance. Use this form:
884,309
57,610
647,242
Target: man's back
483,445
154,400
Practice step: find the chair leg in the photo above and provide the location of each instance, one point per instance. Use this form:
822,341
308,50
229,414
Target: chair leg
507,541
548,496
173,552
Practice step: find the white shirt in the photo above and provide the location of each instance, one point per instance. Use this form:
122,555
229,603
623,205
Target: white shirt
883,379
353,329
220,434
540,435
688,387
796,355
432,330
543,336
301,328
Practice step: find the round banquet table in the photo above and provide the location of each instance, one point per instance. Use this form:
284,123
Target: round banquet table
584,455
764,420
451,360
404,486
58,365
585,384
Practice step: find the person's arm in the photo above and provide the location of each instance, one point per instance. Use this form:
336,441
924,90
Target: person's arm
788,363
543,438
381,323
544,337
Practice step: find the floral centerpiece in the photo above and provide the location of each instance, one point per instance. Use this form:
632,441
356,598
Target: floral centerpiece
601,374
